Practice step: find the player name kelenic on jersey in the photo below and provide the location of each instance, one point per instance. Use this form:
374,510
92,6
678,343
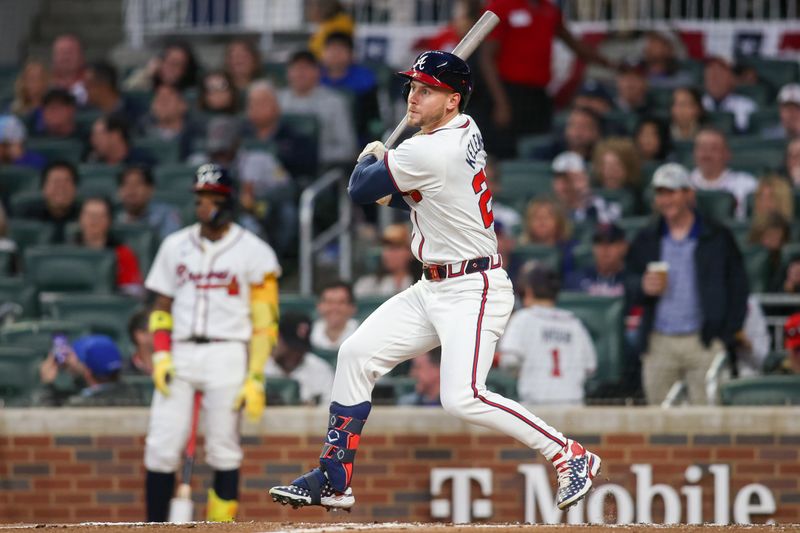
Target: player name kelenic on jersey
442,174
210,281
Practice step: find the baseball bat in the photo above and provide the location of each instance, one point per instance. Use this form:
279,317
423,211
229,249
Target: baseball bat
181,507
476,34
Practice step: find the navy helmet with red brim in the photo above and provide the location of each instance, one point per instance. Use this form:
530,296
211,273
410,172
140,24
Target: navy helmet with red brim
441,69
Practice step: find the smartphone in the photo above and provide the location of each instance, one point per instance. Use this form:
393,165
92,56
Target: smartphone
60,348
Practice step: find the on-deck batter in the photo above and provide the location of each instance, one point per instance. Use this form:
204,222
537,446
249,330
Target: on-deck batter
218,283
463,302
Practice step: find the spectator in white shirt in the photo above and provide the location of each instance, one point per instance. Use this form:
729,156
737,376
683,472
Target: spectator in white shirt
789,102
711,157
292,358
394,273
336,308
719,82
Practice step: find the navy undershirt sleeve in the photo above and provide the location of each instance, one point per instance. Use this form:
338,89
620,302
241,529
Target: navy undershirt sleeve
370,181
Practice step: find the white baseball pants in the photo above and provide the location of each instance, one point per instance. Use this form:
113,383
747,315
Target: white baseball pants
218,369
466,315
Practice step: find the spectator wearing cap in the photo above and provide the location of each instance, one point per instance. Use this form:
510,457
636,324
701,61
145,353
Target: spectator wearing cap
661,62
789,108
59,204
425,369
791,341
12,145
168,119
573,191
607,276
631,82
394,273
583,130
135,188
58,117
297,152
688,275
516,63
341,72
593,95
293,358
103,94
719,82
549,349
711,157
101,357
336,308
305,95
110,143
260,178
686,113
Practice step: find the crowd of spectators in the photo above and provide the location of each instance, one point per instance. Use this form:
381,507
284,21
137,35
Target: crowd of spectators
651,139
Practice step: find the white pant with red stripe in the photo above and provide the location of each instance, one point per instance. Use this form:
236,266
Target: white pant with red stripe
466,315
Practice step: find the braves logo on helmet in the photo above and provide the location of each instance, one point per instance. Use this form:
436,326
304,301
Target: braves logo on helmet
441,69
213,178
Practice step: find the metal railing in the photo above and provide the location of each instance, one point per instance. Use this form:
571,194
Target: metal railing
341,229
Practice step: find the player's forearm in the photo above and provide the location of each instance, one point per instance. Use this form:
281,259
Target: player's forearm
370,181
264,316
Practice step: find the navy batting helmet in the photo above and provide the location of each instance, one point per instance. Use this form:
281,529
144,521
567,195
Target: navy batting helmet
215,179
441,69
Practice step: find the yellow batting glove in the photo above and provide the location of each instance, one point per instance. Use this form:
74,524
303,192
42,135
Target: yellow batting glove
163,371
251,397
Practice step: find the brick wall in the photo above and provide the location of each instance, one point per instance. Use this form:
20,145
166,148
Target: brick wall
62,472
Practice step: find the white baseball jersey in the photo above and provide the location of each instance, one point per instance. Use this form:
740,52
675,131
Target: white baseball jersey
209,281
451,206
553,352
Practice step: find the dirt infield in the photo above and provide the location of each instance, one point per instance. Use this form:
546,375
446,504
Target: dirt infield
390,527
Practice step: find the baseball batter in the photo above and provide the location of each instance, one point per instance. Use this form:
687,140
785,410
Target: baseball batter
214,324
462,304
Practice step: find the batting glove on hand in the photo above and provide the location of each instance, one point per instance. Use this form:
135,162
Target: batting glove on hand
252,397
375,148
163,371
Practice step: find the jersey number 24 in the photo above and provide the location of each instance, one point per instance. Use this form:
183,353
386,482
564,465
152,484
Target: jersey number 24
479,186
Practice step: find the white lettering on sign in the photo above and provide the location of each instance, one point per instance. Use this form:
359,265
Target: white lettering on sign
539,497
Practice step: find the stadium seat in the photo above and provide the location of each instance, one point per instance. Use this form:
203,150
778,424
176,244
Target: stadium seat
723,121
98,179
757,161
140,238
789,252
161,150
633,225
14,179
282,391
70,269
84,118
624,197
502,383
740,230
19,376
582,255
21,201
717,205
17,291
548,255
603,317
138,100
763,119
174,176
296,303
6,263
67,149
367,304
529,145
648,169
773,361
257,145
758,93
660,97
106,314
276,71
389,389
38,334
756,262
328,355
303,124
776,72
523,180
762,390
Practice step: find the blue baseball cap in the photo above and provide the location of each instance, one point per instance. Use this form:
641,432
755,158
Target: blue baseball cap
99,354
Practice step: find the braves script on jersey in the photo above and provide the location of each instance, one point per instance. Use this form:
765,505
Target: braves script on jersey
553,352
210,281
450,201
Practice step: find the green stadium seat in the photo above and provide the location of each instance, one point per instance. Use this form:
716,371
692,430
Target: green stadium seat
138,99
764,118
789,252
758,93
6,262
756,262
174,176
282,391
717,205
582,255
758,161
367,304
276,71
603,317
19,376
328,355
502,383
776,72
106,314
54,149
762,390
22,201
98,179
722,120
161,150
85,118
633,225
648,169
390,388
548,255
529,145
660,97
303,124
523,180
773,361
140,238
754,143
17,291
624,197
38,334
14,179
297,303
70,269
740,230
693,67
